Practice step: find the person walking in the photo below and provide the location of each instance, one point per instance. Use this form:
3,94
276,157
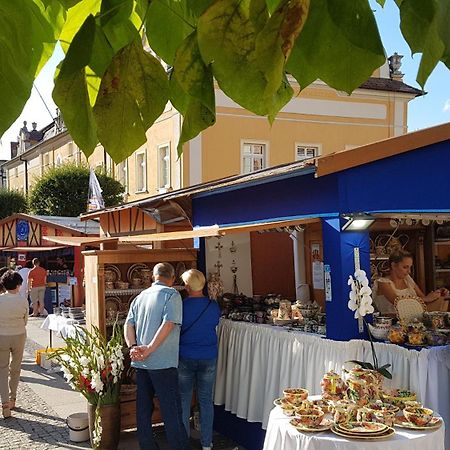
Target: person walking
13,321
198,353
37,280
23,272
152,333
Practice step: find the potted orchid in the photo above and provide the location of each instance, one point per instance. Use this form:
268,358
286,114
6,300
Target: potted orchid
93,366
360,301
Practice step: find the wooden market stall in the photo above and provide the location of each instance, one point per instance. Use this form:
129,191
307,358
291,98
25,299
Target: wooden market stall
393,179
24,237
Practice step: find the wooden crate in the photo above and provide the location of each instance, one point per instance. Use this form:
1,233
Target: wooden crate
128,411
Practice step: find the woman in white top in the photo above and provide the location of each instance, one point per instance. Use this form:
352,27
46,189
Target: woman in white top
13,320
400,284
24,271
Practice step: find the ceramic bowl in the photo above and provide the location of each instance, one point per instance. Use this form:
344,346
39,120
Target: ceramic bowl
418,416
311,417
288,409
324,405
378,333
399,397
293,394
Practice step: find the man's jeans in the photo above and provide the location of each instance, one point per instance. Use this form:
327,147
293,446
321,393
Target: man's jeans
163,383
202,372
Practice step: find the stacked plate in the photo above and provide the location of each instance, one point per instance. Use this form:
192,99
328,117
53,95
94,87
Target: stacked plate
363,430
76,313
402,421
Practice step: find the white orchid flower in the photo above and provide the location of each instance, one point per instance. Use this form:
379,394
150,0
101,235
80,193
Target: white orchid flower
360,274
350,280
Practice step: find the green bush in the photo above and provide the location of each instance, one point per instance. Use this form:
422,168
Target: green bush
63,191
12,202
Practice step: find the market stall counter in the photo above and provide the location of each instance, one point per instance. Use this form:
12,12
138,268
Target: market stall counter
256,362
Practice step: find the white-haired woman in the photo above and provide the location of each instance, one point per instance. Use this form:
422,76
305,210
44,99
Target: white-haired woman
198,353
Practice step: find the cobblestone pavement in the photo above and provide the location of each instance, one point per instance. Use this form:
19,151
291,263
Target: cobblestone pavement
35,425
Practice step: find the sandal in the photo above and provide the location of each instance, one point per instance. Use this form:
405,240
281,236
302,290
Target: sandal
6,410
12,403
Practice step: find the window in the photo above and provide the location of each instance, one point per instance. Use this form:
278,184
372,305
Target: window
163,166
59,161
141,171
307,151
122,174
254,156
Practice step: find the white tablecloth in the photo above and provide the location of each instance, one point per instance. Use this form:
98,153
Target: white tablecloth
282,436
256,362
59,324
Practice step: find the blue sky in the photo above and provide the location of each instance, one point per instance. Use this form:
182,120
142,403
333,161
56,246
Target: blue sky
426,111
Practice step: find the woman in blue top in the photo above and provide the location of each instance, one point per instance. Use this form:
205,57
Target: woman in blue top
198,353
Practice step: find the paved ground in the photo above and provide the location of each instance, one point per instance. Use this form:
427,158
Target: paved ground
44,401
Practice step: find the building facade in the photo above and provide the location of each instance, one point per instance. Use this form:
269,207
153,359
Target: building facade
317,121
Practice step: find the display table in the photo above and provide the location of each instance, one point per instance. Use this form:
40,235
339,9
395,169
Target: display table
256,362
283,436
62,325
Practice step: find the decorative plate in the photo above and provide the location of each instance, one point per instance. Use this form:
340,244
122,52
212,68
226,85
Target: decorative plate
179,270
362,427
324,425
115,273
134,271
401,421
386,434
112,306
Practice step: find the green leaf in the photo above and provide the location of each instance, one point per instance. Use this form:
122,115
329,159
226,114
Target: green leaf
385,366
169,22
385,373
192,90
71,91
116,22
425,27
27,39
339,44
363,364
133,93
75,19
247,63
381,2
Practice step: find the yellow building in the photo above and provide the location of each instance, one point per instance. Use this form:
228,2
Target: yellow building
318,121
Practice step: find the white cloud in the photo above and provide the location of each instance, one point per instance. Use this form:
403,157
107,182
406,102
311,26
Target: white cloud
446,106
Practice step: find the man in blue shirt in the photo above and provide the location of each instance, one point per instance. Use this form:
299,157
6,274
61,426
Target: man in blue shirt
152,332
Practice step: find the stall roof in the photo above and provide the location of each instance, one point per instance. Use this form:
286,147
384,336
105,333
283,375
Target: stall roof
33,249
347,159
216,230
70,224
78,241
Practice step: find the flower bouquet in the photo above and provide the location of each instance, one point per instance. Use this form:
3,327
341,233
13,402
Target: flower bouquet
93,365
360,301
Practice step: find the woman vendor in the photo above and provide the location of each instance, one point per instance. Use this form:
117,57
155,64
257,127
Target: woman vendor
398,283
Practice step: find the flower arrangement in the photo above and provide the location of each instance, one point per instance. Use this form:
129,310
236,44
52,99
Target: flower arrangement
360,297
93,366
360,301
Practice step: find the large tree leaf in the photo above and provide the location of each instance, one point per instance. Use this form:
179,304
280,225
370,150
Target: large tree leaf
27,39
133,94
228,38
76,18
115,19
339,44
425,27
192,90
169,22
71,91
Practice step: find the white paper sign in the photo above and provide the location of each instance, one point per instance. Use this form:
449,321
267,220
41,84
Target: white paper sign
318,278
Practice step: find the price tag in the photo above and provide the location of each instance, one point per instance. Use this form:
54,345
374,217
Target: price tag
327,279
